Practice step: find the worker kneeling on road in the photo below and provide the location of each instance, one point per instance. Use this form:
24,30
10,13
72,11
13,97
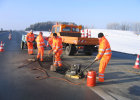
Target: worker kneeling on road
104,53
30,38
40,46
57,49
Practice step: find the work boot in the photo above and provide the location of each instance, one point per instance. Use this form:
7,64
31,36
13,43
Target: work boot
101,80
60,65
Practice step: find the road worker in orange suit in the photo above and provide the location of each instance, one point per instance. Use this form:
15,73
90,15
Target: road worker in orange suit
57,49
40,46
30,38
50,41
104,53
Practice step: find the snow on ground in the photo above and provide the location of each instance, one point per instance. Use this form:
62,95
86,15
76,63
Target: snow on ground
45,33
121,41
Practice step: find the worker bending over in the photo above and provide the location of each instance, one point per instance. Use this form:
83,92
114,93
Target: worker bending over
50,41
104,53
29,39
40,46
56,43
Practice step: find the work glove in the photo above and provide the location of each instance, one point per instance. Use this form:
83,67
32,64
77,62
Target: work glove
96,59
53,53
50,51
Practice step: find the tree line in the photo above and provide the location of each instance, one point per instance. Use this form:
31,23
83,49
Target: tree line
45,26
125,26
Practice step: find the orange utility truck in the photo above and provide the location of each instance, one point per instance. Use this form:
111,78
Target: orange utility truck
72,40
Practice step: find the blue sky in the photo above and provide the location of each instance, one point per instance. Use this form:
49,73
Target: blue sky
19,14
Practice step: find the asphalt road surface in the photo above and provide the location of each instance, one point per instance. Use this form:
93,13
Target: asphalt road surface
18,82
17,79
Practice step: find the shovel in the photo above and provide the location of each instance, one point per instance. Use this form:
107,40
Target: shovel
52,67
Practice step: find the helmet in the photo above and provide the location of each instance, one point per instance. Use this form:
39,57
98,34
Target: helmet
100,35
54,34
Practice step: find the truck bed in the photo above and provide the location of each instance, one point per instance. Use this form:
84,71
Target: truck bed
80,41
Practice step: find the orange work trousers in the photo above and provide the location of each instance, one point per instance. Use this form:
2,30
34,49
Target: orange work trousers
58,59
30,47
103,63
40,53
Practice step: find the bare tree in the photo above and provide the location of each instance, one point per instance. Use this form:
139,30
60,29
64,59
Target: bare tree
115,26
136,27
125,26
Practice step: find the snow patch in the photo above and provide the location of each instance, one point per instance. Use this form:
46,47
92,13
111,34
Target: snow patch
122,41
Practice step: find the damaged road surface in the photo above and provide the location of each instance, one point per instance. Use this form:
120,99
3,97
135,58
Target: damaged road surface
18,77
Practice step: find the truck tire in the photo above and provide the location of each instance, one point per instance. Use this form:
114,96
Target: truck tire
22,45
70,50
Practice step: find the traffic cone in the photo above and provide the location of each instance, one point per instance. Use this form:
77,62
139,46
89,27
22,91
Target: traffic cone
136,66
1,47
87,34
82,34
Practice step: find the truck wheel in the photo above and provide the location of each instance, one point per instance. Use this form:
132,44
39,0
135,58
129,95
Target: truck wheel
22,45
70,50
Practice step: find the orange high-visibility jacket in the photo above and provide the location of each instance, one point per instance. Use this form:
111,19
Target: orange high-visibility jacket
40,41
30,37
50,41
57,44
104,48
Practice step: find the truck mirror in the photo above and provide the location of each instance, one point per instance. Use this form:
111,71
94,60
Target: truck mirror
63,26
80,27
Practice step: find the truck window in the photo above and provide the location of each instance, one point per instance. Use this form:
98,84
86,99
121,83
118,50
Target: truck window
75,29
67,29
53,30
58,29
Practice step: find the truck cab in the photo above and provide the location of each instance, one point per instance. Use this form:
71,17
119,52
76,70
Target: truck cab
67,30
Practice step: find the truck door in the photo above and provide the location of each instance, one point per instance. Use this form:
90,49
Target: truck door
53,29
58,29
